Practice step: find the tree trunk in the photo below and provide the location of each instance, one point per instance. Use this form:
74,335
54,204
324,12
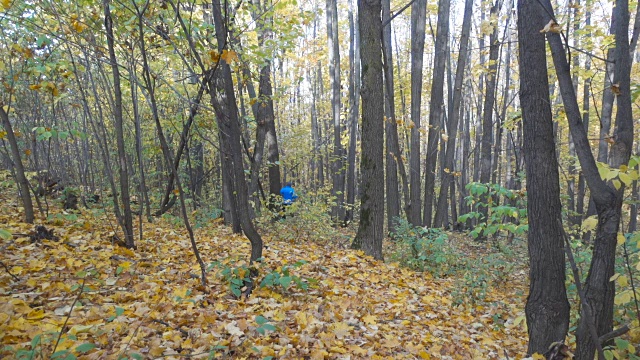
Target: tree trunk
454,115
370,229
225,107
418,24
127,221
337,191
394,163
547,307
354,108
436,109
21,179
599,290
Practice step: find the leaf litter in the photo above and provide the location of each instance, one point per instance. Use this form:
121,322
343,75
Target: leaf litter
112,302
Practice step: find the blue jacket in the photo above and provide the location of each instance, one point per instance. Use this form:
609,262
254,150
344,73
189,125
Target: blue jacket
288,195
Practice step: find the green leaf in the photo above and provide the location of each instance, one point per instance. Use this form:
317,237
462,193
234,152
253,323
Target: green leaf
285,281
621,344
269,327
137,356
119,311
261,319
35,341
5,234
86,347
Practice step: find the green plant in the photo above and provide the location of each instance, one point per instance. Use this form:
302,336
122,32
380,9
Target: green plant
423,249
235,277
282,278
510,217
264,325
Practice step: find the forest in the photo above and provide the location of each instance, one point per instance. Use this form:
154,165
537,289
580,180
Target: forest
306,179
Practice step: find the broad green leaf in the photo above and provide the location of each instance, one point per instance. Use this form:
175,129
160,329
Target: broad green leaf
86,347
261,320
4,234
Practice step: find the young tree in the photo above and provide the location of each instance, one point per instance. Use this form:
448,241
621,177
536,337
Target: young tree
370,228
334,73
607,197
547,307
418,24
226,110
21,179
354,109
127,219
454,115
436,108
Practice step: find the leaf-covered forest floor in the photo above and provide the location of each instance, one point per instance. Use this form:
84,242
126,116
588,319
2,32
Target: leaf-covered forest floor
111,302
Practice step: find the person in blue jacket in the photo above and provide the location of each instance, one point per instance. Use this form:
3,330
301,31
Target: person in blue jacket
288,194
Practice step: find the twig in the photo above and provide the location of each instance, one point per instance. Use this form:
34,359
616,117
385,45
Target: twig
69,315
631,281
184,332
9,272
589,318
615,333
398,13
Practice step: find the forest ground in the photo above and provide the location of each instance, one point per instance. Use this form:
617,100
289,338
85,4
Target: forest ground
112,302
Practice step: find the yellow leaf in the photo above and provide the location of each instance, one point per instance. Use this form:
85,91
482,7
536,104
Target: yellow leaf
616,184
621,238
341,329
369,319
623,281
35,314
625,178
622,298
2,134
318,354
6,4
538,356
16,270
229,56
301,319
337,349
590,223
614,277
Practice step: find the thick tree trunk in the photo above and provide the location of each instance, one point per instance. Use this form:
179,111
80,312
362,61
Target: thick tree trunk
547,307
127,220
21,179
418,24
454,115
370,229
436,109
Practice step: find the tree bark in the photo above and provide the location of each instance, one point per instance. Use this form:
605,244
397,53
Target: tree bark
354,109
418,24
337,191
225,107
454,115
599,291
436,109
547,307
21,179
394,162
370,229
127,220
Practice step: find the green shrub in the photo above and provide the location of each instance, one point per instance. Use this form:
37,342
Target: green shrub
506,210
423,249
